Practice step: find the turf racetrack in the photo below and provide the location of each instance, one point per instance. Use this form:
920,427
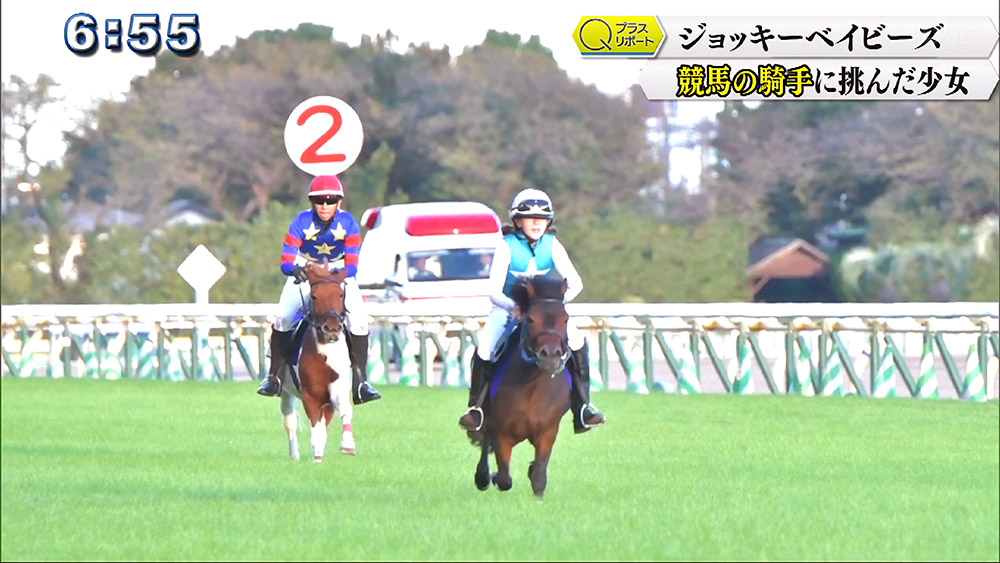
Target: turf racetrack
147,470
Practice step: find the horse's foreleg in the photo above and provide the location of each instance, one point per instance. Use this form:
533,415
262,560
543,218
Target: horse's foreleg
291,424
504,447
483,468
318,438
318,421
340,394
538,471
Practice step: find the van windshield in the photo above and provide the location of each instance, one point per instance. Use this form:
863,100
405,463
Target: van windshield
449,264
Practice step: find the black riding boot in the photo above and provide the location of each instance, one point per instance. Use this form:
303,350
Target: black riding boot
279,357
472,420
361,390
585,415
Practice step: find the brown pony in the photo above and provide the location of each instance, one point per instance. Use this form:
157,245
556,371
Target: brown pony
529,392
323,358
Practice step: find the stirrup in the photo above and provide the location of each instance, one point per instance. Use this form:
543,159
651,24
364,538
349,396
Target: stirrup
365,393
265,386
579,426
482,418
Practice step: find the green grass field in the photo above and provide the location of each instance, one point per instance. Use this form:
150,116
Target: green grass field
145,470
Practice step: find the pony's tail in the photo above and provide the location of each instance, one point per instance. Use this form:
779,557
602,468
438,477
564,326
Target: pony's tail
476,437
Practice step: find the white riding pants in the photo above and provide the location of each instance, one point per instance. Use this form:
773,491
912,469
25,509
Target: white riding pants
295,296
493,330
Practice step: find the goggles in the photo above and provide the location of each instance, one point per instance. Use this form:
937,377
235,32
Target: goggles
329,200
534,207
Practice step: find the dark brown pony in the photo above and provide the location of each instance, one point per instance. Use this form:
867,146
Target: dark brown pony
529,392
322,360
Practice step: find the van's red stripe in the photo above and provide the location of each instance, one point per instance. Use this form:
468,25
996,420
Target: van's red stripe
463,224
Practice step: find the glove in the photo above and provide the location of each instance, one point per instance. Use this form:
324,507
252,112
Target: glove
299,273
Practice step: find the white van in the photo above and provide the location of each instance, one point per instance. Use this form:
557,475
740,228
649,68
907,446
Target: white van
429,253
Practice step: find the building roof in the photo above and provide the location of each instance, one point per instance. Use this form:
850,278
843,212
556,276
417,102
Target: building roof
786,258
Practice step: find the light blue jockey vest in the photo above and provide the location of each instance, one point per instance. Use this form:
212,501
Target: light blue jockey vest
525,260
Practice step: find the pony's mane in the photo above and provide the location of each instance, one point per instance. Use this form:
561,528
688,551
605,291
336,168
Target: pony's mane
323,270
546,287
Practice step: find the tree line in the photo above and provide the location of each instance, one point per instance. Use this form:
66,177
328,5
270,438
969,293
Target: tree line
480,126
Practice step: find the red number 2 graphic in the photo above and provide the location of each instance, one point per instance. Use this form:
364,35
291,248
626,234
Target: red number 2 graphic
311,154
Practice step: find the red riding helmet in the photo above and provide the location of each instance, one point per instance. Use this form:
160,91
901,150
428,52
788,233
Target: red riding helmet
326,186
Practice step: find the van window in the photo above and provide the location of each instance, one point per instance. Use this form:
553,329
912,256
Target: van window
449,264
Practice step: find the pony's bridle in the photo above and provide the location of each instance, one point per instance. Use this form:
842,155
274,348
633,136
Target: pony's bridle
528,353
318,321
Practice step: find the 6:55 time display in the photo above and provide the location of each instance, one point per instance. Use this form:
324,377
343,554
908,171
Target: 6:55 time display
183,38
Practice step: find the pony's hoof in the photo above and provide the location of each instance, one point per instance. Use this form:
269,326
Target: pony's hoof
503,484
317,458
348,446
482,481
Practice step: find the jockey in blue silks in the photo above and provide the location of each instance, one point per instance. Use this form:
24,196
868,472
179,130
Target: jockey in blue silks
323,232
530,249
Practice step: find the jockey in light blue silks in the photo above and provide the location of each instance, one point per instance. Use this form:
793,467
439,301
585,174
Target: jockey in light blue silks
323,232
530,249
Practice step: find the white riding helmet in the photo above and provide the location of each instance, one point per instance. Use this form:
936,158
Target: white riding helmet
530,202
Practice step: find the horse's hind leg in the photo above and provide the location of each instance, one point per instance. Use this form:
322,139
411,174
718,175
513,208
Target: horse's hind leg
291,424
340,394
483,468
504,447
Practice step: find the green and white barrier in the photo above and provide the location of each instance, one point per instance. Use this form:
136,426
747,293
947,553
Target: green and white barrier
802,383
743,381
111,365
635,371
832,381
927,383
376,369
992,369
26,364
146,352
884,384
97,341
594,359
861,365
973,388
687,380
409,371
450,376
88,350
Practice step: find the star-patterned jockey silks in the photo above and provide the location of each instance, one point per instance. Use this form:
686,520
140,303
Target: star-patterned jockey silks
324,232
311,231
314,240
